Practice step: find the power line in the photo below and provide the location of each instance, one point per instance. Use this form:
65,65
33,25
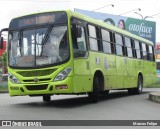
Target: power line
130,11
38,0
112,5
49,0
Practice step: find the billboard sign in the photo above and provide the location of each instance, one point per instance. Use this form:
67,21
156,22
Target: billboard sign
143,28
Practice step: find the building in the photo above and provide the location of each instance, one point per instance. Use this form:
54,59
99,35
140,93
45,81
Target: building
158,58
4,48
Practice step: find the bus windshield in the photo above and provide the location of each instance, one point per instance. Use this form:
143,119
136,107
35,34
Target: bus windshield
38,46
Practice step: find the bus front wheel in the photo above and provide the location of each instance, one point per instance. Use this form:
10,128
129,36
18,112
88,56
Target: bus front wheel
94,95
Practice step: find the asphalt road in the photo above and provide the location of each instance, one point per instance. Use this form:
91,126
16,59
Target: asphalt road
118,105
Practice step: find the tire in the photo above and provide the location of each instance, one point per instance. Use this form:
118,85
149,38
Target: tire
139,88
46,98
94,95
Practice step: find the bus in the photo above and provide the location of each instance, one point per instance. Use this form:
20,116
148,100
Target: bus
65,52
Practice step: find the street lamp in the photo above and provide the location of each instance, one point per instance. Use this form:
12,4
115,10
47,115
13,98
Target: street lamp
147,17
139,14
130,11
144,18
112,5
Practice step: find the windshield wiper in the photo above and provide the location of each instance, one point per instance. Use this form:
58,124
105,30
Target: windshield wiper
46,35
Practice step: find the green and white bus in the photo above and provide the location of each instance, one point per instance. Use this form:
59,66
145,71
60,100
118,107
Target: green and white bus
64,52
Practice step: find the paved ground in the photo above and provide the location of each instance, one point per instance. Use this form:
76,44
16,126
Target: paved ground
117,106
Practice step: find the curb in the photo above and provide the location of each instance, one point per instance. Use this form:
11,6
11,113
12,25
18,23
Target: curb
155,97
3,91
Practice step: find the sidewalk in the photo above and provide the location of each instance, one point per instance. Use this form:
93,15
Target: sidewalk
3,87
155,97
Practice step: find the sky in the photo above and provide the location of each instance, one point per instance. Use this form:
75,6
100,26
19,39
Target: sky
14,8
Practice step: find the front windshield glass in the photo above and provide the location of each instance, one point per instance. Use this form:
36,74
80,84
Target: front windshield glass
38,47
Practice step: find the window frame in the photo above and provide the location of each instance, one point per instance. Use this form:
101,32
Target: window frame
97,38
112,43
112,48
138,49
79,22
129,47
119,44
151,54
144,51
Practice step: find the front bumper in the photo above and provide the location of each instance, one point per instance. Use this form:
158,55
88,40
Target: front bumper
44,88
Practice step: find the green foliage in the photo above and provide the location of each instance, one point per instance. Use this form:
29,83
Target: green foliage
5,58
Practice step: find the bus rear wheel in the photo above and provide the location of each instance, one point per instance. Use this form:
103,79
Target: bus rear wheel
94,95
139,88
46,98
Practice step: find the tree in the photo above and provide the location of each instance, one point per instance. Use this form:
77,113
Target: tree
4,62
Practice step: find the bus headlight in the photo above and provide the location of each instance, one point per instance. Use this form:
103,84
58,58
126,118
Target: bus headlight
13,79
63,74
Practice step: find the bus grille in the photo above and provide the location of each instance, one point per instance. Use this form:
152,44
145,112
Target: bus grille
36,73
37,87
40,80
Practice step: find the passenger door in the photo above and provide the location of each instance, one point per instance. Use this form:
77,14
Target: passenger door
120,61
130,77
81,60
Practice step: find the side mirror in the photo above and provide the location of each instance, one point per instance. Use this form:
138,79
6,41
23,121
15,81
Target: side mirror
79,32
1,42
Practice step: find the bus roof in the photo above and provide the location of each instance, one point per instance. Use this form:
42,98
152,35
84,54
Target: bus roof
109,26
100,23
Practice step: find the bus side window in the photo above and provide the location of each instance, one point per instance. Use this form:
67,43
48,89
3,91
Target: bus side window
144,51
141,51
106,41
147,50
137,49
129,46
118,44
79,41
112,43
133,48
92,33
151,53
